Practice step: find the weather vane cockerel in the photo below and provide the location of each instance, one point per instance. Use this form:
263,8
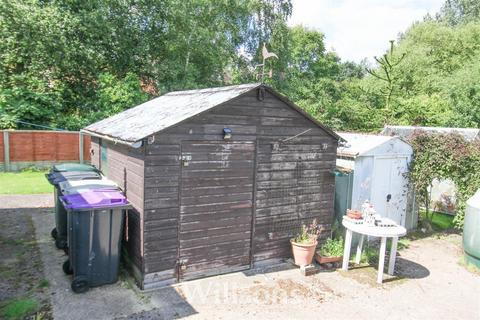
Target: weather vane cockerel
265,55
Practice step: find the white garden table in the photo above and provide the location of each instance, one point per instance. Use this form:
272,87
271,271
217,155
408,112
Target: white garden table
374,231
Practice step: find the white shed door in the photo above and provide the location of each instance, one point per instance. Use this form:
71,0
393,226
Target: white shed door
389,188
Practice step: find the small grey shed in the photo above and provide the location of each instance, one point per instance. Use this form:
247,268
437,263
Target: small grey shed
379,167
219,179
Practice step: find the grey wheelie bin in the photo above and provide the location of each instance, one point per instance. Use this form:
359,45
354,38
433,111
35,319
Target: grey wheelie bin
59,233
72,166
95,220
79,186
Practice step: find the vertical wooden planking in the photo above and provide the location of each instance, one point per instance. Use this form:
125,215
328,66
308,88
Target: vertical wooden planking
254,206
37,146
87,147
2,147
95,149
6,151
178,266
81,151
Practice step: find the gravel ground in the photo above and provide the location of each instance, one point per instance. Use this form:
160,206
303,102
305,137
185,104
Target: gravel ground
429,283
21,269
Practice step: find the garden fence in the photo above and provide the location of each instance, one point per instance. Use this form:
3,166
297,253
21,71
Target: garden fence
21,149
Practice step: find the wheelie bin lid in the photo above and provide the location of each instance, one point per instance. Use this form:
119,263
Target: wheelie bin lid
77,186
72,166
95,199
56,177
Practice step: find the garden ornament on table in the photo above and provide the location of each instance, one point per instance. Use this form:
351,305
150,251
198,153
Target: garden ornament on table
369,213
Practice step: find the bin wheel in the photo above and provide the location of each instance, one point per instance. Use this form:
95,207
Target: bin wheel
80,285
60,244
66,267
65,250
54,233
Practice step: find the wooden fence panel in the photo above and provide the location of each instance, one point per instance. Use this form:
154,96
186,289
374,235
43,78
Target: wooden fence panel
34,147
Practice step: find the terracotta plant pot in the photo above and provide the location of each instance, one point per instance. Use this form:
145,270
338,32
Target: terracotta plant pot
303,253
321,260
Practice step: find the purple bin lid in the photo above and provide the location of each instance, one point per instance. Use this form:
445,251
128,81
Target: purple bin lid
97,198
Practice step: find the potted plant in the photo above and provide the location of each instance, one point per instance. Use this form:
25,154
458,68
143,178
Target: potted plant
330,252
304,244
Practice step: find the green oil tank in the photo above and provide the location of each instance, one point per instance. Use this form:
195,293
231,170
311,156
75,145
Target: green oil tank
471,230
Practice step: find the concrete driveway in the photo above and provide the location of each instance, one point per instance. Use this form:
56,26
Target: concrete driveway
430,283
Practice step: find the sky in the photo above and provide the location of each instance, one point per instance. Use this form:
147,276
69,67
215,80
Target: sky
358,29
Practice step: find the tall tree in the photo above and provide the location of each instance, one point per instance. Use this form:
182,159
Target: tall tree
56,55
388,72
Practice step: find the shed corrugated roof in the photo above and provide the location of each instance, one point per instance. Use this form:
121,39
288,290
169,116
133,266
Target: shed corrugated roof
358,143
172,108
405,132
160,113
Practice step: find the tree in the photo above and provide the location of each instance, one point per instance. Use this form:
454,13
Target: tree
388,72
436,84
455,12
54,54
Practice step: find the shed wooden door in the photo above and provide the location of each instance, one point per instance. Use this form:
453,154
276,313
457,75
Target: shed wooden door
216,199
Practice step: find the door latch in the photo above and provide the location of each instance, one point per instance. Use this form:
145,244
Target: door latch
182,265
185,158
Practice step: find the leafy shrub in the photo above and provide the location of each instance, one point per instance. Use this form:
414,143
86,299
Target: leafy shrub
332,248
445,156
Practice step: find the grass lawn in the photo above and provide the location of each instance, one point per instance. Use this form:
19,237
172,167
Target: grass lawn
25,182
440,221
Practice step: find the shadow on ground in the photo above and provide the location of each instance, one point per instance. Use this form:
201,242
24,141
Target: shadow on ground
281,266
410,270
121,300
404,269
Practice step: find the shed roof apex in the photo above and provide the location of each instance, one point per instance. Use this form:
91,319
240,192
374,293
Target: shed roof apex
158,114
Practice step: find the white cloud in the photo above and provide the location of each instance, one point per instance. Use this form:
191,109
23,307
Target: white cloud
358,29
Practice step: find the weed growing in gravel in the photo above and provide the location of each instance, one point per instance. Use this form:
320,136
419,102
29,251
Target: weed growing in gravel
44,283
19,308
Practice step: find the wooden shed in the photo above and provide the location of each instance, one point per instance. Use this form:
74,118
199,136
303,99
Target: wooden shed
220,179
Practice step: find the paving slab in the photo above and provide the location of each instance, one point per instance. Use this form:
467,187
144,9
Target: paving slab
14,201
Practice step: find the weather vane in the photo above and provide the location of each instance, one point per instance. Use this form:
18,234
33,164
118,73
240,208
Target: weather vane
265,56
